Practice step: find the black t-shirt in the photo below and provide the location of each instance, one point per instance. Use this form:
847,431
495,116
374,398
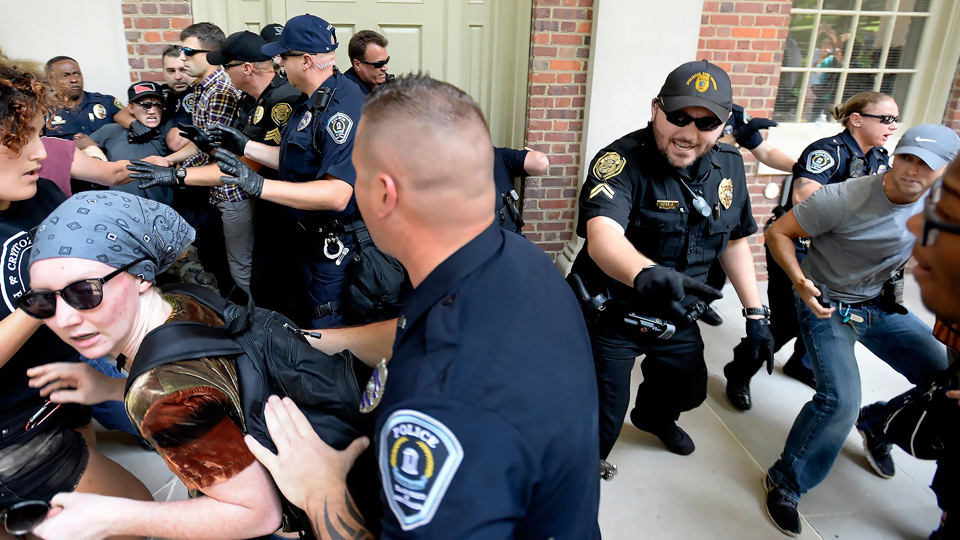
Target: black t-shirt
44,347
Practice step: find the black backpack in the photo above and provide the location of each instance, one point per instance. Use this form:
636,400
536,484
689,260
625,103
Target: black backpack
371,288
272,358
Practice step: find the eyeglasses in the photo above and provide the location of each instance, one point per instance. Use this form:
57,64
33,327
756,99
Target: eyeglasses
83,295
147,105
680,119
21,518
885,119
377,65
188,51
233,65
931,224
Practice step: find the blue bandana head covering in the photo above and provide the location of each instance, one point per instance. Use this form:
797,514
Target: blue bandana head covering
115,228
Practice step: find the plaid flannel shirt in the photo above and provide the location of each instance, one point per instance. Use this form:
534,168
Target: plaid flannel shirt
216,103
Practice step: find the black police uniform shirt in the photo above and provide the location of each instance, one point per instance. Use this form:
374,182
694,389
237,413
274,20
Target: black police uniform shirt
355,77
262,118
738,119
488,425
94,111
632,183
17,400
178,107
315,143
507,165
837,158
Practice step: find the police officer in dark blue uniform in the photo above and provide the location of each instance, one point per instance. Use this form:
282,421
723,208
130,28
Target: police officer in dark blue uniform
657,208
507,165
487,420
869,119
316,174
83,112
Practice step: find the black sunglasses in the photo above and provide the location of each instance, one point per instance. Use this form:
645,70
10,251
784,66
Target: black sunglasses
84,294
188,51
883,118
233,65
377,65
288,54
931,224
680,119
147,105
21,518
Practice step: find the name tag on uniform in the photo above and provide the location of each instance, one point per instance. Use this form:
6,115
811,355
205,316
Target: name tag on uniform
668,205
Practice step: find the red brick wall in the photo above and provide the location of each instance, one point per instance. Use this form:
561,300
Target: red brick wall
150,26
746,38
560,47
951,116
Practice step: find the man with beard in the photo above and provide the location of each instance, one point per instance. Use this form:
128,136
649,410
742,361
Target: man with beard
178,95
80,111
658,207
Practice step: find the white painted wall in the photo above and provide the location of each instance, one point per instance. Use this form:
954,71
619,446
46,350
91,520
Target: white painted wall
634,46
89,30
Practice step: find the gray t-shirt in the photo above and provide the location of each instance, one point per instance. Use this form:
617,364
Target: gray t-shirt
860,238
112,138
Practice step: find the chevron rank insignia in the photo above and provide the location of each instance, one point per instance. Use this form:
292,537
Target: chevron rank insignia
603,188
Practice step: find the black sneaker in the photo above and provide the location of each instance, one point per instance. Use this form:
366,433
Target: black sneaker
738,391
795,369
711,317
878,454
781,510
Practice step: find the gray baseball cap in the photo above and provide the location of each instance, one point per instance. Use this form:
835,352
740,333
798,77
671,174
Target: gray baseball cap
935,144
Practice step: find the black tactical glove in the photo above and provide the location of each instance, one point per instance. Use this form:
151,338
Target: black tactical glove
239,173
759,342
139,132
199,137
230,139
743,133
152,175
664,288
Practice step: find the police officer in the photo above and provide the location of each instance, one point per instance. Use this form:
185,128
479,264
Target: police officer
368,58
507,165
471,442
315,171
657,208
82,112
869,119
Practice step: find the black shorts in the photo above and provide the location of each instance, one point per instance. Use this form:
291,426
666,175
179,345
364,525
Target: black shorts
52,461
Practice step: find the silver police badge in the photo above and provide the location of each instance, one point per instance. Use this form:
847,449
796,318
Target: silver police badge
373,393
339,126
304,121
99,111
418,457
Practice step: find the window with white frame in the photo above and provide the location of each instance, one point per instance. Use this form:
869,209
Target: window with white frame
837,48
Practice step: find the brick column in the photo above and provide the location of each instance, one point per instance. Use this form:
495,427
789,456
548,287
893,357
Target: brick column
747,38
560,47
150,26
951,116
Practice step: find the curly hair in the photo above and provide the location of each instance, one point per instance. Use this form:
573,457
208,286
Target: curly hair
22,98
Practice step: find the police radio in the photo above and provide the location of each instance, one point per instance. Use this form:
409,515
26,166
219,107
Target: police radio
699,203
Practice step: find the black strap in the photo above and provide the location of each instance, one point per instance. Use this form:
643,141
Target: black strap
327,309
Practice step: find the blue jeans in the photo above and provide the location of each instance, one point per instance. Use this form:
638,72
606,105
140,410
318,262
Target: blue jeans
816,438
111,414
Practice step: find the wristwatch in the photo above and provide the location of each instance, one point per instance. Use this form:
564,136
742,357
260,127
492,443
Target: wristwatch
762,310
181,174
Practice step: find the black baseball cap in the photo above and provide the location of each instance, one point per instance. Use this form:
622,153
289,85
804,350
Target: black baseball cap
271,32
142,89
306,33
239,47
698,84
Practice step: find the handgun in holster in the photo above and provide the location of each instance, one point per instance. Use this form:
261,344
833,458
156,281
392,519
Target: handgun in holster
594,306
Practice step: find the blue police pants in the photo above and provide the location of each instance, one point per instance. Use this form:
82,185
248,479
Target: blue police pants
816,438
327,278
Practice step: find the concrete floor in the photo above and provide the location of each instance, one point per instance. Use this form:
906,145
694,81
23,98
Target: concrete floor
716,491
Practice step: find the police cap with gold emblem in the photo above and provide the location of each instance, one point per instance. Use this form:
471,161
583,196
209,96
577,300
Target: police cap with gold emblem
239,47
698,84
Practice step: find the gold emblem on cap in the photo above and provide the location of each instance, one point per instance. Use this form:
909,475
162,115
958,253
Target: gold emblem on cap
725,191
280,113
258,114
702,81
608,166
100,111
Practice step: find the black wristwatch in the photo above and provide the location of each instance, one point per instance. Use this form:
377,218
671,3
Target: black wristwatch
181,174
762,310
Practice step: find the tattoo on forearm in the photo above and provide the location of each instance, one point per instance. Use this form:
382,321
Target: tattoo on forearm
353,527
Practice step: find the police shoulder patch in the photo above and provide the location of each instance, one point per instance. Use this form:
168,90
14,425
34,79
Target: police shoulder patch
280,113
188,102
339,126
819,161
609,165
418,457
118,104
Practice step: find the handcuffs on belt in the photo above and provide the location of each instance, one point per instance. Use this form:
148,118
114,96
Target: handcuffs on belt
341,251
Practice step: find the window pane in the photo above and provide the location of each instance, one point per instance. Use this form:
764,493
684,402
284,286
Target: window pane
868,42
919,6
801,28
839,4
856,83
821,96
877,5
832,38
805,4
897,85
906,42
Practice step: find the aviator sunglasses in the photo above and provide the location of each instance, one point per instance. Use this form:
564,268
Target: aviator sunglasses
21,518
82,295
681,119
